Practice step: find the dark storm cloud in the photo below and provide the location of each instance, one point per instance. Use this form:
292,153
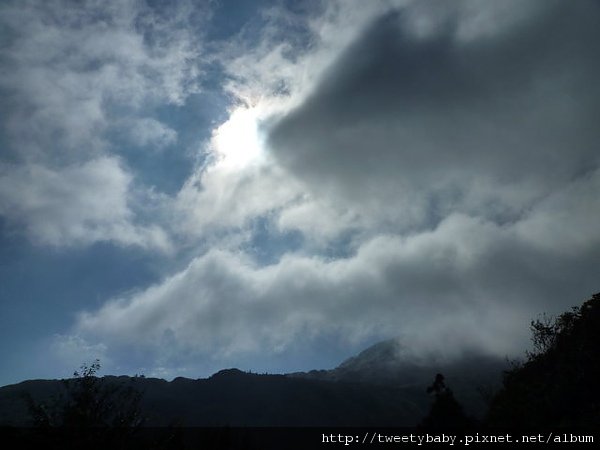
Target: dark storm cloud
435,117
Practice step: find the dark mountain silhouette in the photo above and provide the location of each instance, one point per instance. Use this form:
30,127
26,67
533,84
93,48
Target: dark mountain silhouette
377,387
557,385
235,398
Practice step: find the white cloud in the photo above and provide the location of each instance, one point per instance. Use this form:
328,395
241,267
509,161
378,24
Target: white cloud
74,205
71,64
565,222
73,351
468,284
240,181
74,74
149,132
282,69
217,200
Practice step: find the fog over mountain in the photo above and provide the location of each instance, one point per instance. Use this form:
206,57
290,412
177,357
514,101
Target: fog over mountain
552,386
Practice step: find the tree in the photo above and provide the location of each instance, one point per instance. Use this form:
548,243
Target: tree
557,385
89,412
88,401
445,411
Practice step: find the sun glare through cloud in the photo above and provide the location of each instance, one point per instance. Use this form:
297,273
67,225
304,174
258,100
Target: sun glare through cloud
238,143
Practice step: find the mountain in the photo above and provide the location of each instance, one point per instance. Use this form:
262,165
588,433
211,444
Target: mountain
380,386
384,385
235,398
473,377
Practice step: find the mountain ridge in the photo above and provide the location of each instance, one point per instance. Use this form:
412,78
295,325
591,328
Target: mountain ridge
374,387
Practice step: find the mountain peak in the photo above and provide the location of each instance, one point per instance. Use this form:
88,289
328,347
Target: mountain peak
382,354
228,373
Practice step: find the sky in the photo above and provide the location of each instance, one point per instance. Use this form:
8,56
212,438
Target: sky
187,186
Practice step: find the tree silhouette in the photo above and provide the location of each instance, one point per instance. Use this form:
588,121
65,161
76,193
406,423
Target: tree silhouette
89,412
445,411
557,385
88,401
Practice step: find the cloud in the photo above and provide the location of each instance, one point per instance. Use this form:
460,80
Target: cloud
438,160
282,62
75,75
73,351
406,128
75,205
73,64
468,284
238,183
149,133
564,222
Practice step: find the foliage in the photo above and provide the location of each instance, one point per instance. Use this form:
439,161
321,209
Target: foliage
557,385
445,411
88,401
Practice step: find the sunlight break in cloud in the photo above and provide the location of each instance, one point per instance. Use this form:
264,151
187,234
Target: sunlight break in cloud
237,142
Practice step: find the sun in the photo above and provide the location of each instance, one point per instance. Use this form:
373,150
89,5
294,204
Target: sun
237,143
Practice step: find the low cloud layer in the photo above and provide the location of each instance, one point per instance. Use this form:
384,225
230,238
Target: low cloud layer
467,285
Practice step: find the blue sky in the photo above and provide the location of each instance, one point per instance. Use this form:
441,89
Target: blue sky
187,186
